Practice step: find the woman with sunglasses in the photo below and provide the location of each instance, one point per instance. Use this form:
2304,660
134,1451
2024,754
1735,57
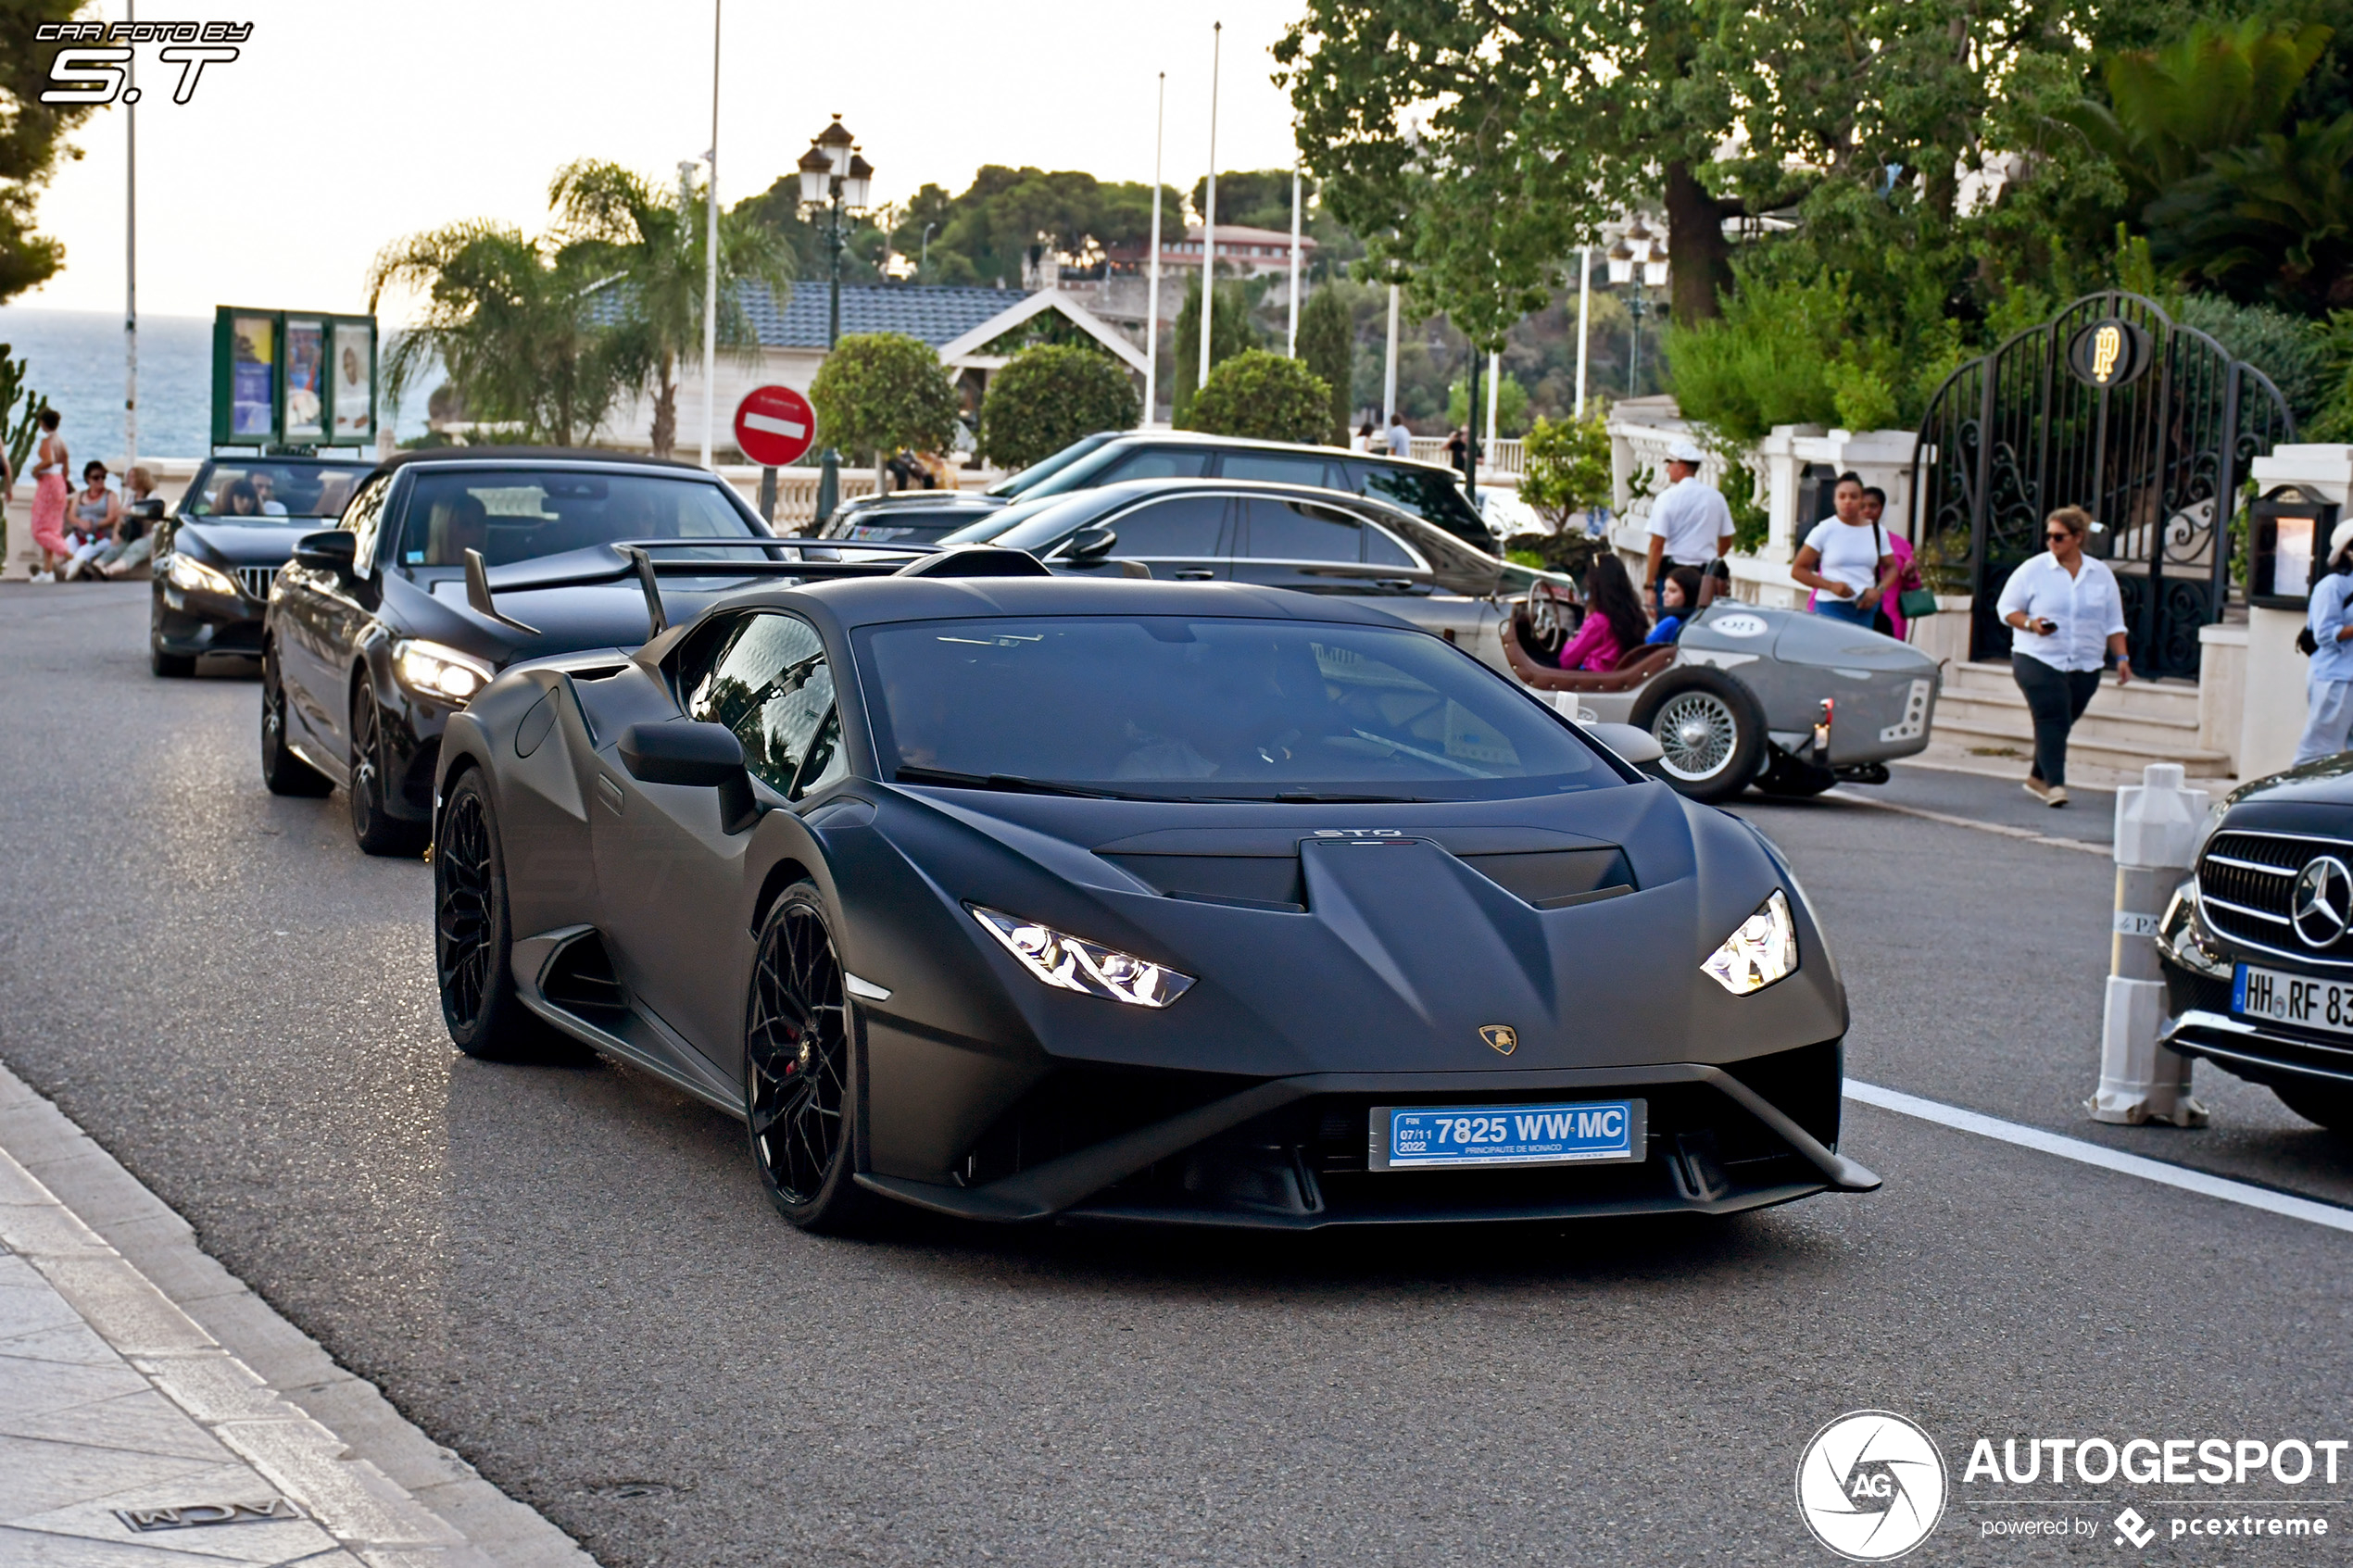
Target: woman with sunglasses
2066,618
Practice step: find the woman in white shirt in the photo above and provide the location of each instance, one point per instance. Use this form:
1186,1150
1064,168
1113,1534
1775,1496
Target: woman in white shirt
1845,560
2065,617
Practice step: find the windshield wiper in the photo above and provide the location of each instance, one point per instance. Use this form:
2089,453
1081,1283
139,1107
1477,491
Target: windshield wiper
1324,797
1012,782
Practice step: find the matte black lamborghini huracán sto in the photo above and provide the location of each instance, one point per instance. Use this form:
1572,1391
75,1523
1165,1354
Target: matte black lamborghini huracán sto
1019,897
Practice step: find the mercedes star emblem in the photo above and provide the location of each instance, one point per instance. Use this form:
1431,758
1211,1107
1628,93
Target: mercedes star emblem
2323,904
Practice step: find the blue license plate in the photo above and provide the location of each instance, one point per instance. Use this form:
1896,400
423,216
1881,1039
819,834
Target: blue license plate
1425,1137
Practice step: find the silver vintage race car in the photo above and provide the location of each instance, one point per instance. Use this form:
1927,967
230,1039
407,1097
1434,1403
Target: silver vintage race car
1791,702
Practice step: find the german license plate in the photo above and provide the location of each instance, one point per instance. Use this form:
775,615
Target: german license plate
1428,1137
2293,999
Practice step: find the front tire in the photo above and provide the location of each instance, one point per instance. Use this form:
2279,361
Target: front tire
1709,728
167,666
474,939
281,771
377,830
801,1082
2331,1109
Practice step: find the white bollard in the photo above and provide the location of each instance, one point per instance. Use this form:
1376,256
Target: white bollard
2156,821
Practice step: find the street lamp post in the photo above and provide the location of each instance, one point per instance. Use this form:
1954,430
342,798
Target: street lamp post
1638,259
835,179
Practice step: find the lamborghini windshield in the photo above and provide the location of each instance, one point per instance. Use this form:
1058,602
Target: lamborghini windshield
1169,708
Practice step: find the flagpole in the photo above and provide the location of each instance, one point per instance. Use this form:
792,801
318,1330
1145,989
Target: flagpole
1209,209
1584,312
130,265
710,252
1151,305
1291,340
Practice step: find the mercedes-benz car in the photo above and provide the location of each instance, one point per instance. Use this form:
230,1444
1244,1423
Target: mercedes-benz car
1026,898
448,566
2255,946
1427,491
221,549
1314,540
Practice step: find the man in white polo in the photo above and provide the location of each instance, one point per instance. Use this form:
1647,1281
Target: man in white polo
1690,523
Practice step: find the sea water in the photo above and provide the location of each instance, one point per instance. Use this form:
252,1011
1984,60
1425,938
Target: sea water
75,359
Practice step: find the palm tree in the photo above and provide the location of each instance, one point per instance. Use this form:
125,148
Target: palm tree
509,323
648,244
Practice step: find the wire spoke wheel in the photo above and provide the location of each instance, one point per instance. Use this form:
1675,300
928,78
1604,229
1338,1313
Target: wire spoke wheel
1699,733
797,1057
462,915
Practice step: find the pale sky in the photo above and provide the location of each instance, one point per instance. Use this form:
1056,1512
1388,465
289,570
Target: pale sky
346,125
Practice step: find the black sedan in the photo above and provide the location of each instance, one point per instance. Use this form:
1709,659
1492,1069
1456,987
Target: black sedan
1032,897
2256,947
219,552
379,629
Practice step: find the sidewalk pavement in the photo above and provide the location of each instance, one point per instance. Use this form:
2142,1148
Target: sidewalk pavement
148,1400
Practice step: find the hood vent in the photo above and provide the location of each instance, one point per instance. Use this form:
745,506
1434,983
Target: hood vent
1250,882
1555,879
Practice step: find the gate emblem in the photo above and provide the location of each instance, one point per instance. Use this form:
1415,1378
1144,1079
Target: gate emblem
2323,904
1506,1039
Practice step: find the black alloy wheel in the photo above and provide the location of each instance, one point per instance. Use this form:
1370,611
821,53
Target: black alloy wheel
170,666
281,771
800,1079
378,831
472,939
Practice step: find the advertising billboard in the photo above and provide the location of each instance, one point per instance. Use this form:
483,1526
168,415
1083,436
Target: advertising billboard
293,378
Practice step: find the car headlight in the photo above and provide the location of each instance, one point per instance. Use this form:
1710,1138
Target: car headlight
1068,963
1764,949
187,572
431,670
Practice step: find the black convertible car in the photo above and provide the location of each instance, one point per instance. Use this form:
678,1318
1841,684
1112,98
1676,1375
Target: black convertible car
2257,946
218,554
1019,897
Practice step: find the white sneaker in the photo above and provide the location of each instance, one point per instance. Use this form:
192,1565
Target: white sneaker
2038,789
44,577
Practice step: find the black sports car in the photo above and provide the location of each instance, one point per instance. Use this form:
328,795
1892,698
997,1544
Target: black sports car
1031,896
379,629
218,554
2255,946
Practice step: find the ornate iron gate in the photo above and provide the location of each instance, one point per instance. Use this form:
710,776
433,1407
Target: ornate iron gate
2147,425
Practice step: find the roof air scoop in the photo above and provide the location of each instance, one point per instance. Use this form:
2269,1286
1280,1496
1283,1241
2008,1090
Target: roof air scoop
977,560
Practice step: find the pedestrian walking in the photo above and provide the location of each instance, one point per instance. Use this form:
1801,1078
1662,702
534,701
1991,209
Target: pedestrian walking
1401,440
1690,523
1890,617
2066,617
1458,450
1845,560
1364,442
2328,627
49,490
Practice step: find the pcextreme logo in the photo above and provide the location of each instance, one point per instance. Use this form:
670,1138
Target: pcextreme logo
1871,1485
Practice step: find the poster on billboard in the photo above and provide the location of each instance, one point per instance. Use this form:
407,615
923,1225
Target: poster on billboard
306,380
353,373
252,376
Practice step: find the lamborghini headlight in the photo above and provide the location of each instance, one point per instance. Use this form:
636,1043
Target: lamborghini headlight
1764,949
192,575
443,673
1067,963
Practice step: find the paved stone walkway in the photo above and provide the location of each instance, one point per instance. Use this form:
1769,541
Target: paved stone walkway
131,1438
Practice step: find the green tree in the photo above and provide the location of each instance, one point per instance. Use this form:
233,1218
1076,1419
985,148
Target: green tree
511,324
1511,405
1048,397
1567,469
1264,397
881,393
1229,334
1327,346
2272,220
31,139
651,245
1256,198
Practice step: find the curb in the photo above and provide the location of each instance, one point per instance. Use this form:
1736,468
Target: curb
130,1266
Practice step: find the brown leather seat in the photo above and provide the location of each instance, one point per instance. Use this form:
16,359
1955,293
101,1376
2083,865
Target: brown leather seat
1638,667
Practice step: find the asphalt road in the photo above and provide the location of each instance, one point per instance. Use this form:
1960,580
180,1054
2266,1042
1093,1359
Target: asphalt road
571,1277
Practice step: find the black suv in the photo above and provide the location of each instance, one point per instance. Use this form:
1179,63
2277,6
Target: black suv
2256,945
1428,489
380,629
218,553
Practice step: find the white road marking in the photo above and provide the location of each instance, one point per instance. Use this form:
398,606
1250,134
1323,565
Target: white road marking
2158,1171
2028,834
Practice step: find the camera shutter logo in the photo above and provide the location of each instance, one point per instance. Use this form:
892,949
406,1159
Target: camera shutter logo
2321,905
1871,1485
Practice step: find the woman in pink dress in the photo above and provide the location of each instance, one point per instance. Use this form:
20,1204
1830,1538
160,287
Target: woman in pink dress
49,494
1614,618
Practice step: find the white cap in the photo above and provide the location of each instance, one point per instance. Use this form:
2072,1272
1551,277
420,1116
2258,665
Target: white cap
2339,537
1685,452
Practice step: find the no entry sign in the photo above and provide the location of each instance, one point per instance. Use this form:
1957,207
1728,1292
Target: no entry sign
774,425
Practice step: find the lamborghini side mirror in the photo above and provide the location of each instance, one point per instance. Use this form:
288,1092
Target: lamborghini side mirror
696,756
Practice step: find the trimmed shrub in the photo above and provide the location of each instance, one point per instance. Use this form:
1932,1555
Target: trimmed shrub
881,392
1263,396
1049,396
